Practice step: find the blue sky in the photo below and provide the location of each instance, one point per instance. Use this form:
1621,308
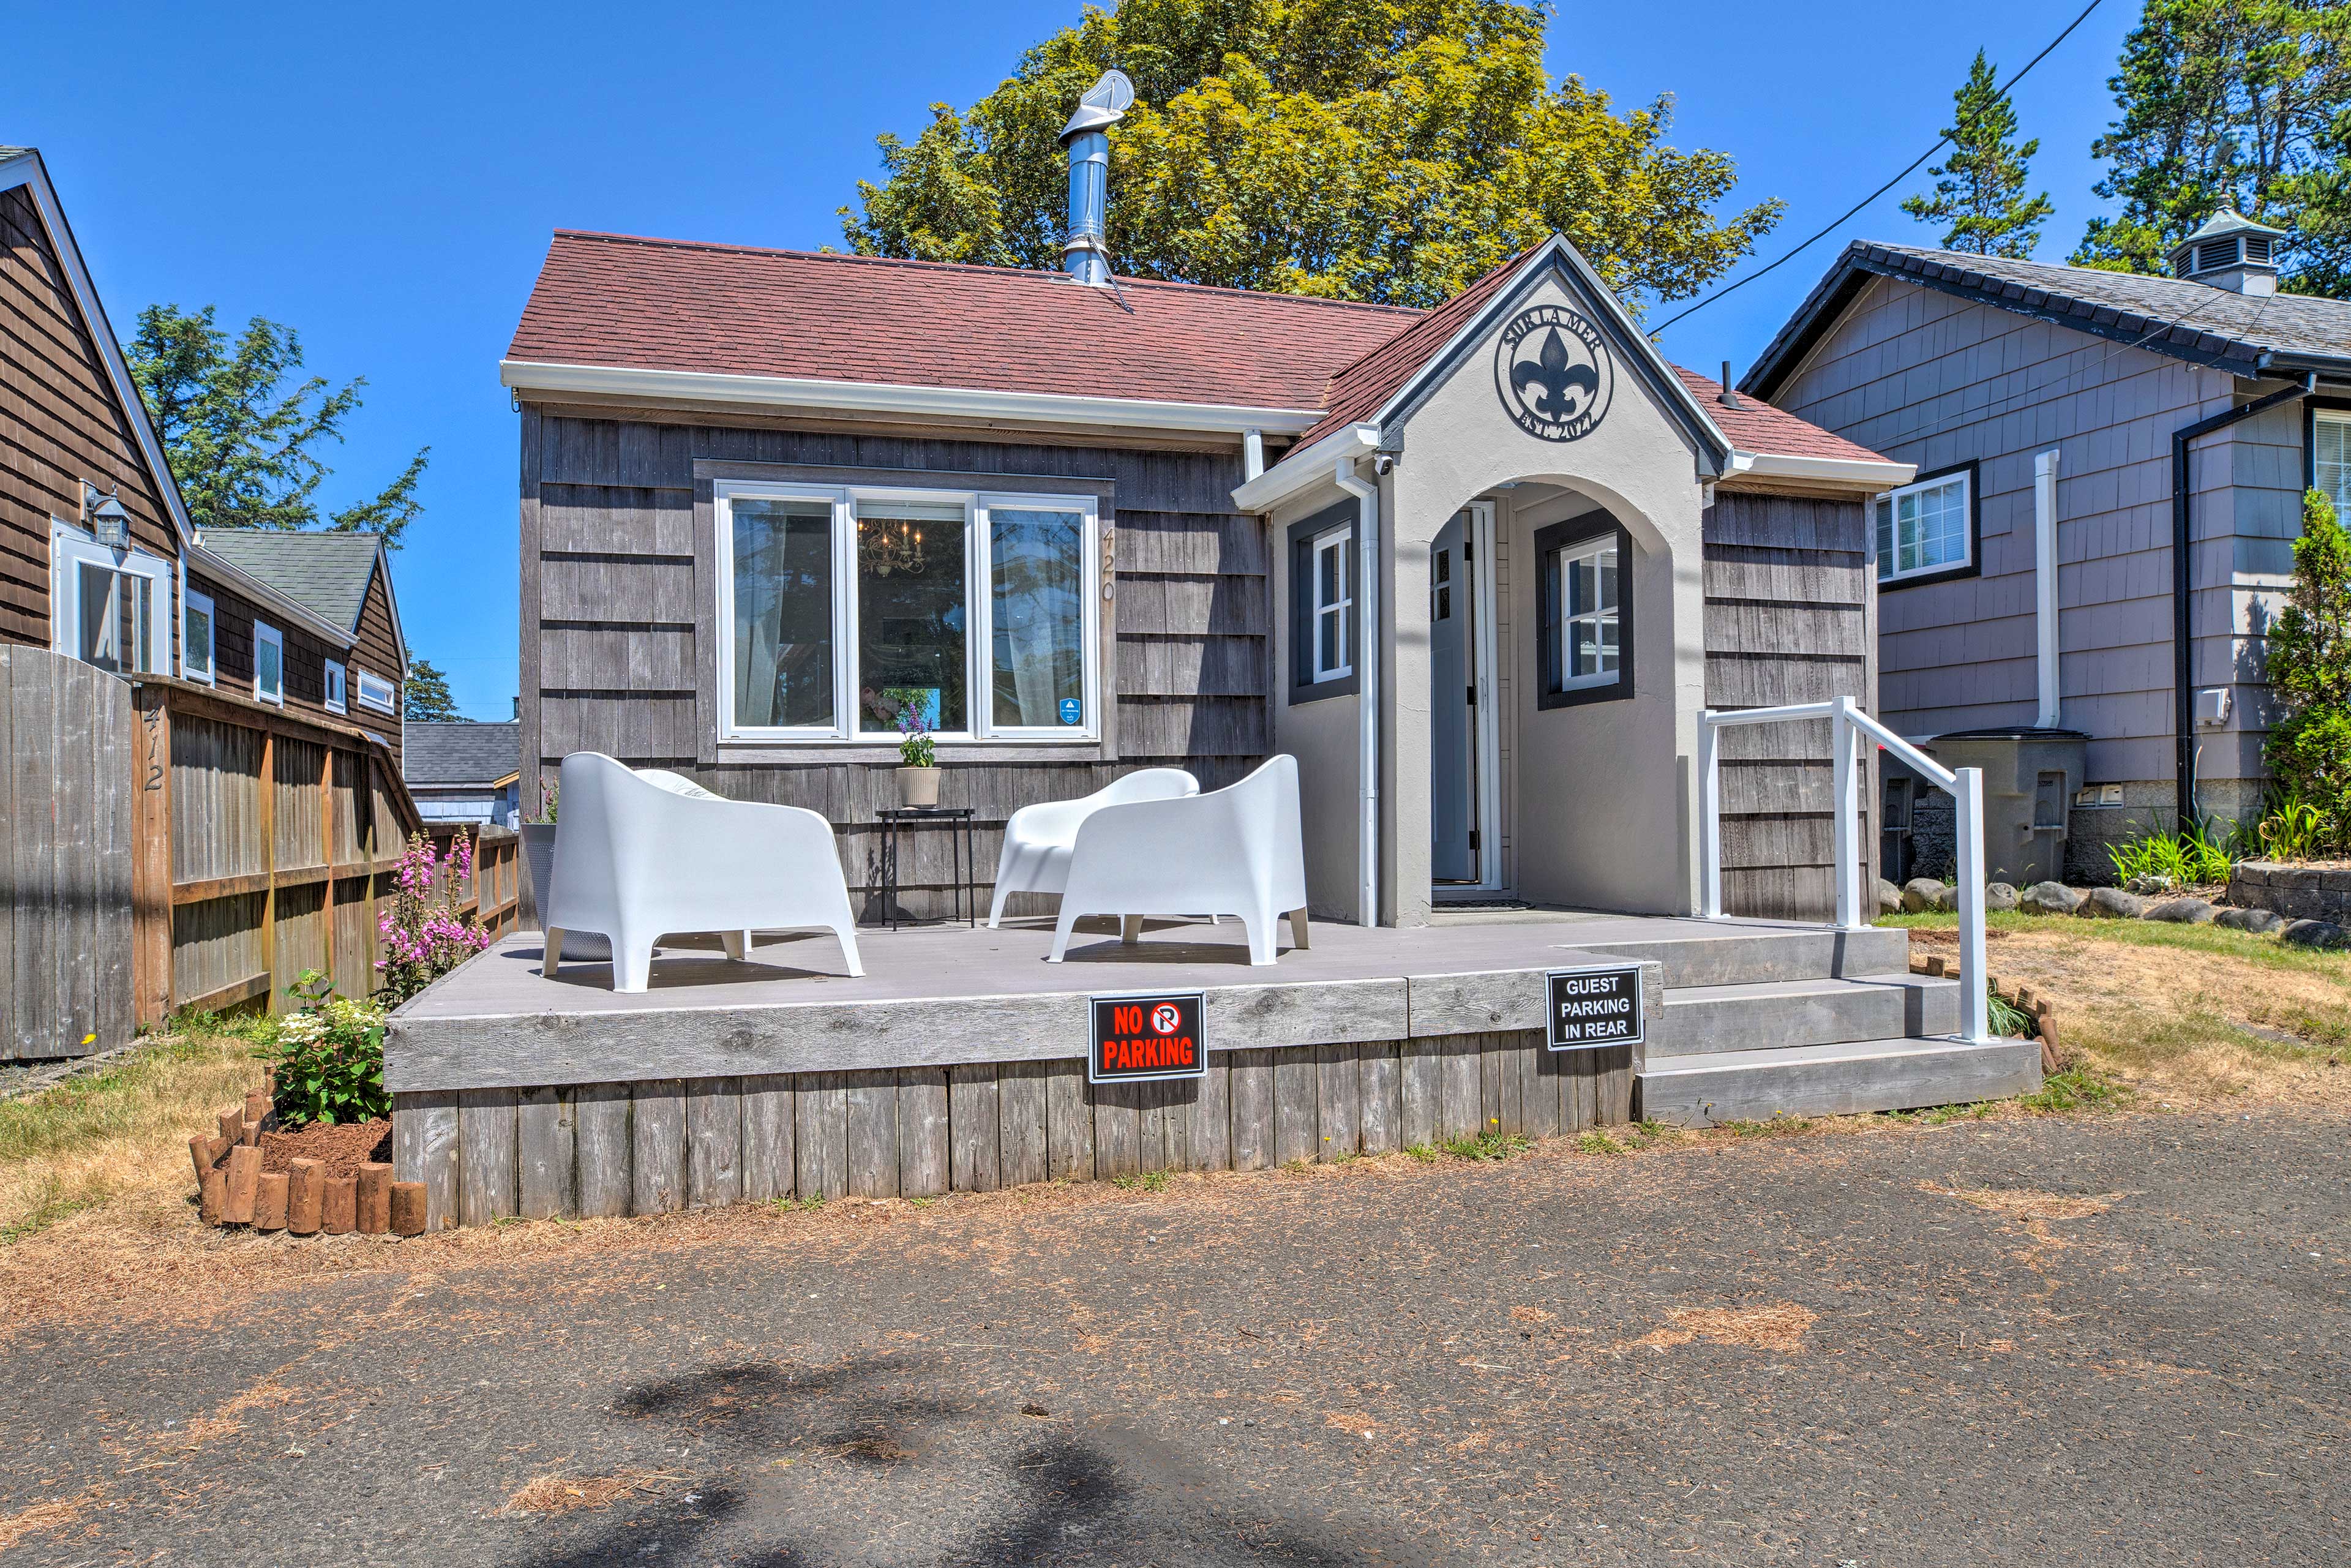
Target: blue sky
385,178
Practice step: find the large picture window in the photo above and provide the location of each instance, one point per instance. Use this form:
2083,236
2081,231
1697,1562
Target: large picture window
1927,530
850,613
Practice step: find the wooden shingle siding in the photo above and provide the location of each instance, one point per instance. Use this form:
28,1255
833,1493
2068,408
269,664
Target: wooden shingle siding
60,425
615,582
1787,621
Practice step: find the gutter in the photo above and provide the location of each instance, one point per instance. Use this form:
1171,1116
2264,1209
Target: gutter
883,397
1872,473
2183,585
1367,688
1305,467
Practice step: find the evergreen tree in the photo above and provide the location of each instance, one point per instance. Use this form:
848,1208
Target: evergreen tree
425,699
2309,746
243,443
2243,103
1979,188
1376,150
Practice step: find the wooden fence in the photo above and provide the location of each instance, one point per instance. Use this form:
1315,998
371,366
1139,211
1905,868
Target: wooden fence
166,846
267,845
66,844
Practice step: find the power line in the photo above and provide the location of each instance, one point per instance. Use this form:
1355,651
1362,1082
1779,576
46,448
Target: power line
1839,222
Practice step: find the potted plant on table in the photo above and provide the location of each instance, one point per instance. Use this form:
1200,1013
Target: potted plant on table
918,762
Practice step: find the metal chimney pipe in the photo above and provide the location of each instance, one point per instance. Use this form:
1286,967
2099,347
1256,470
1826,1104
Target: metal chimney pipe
1085,254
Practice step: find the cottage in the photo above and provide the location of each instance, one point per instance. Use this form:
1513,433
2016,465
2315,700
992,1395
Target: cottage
1481,570
2110,475
463,771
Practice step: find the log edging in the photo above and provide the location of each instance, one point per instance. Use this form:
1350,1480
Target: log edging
234,1191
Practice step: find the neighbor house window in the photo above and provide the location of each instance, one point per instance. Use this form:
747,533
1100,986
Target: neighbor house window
337,688
196,638
111,608
268,664
1325,620
1331,559
1928,528
2331,435
1587,620
378,693
849,612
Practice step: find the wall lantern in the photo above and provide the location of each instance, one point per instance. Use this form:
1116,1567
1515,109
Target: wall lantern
109,525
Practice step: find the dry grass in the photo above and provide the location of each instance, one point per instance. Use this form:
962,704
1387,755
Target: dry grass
1780,1327
118,1137
556,1492
2024,1203
2187,1014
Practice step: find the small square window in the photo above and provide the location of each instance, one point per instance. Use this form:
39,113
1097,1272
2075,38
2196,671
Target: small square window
196,639
337,688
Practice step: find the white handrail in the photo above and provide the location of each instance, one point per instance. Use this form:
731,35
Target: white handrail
1848,727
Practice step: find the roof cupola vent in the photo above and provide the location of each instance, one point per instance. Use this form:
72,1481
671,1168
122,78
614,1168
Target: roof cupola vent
2231,252
1085,254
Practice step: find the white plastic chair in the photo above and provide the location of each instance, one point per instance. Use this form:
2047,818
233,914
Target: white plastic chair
639,854
1237,850
1038,838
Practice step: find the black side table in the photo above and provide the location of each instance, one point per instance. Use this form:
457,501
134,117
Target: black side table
964,851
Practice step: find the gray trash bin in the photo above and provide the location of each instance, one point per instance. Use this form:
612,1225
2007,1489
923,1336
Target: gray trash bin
2030,776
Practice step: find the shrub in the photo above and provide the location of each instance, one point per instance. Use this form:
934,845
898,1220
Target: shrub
423,939
2309,746
2201,854
328,1056
2294,830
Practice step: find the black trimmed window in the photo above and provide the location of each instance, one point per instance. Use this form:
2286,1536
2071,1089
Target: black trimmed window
2330,458
1926,531
1325,613
1585,626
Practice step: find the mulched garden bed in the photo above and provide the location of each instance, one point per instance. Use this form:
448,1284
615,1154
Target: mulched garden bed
325,1177
341,1149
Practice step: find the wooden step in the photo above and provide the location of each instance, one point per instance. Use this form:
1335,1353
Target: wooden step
1782,1013
1844,1079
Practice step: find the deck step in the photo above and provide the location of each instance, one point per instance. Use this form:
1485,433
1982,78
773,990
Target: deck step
1844,1079
1741,954
1776,1014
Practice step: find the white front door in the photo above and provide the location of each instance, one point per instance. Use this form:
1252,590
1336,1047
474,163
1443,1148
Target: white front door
1452,706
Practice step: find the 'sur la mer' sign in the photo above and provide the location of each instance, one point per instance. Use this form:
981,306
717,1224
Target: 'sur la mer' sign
1147,1035
1587,1009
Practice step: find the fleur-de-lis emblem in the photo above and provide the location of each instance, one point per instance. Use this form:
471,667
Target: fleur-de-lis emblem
1558,379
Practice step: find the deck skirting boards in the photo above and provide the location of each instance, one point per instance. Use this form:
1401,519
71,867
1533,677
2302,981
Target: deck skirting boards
661,1146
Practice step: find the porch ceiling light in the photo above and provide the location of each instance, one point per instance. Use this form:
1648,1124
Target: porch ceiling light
109,524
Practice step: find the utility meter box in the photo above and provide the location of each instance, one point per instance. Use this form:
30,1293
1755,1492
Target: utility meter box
2029,779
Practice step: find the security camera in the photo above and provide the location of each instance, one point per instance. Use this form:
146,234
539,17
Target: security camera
1383,464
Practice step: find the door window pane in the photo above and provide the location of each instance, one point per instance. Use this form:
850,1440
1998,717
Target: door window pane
783,613
912,619
1037,615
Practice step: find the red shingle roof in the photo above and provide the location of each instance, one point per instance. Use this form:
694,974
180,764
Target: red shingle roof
649,304
1756,426
675,305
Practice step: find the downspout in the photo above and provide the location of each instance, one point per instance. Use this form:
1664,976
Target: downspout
2183,584
1367,686
2044,583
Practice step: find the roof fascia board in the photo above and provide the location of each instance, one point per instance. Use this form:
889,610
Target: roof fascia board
1307,466
232,576
888,397
382,568
26,170
1871,474
1558,256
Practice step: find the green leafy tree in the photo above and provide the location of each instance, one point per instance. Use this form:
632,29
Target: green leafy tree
2243,103
2309,746
425,696
1980,190
1376,150
242,430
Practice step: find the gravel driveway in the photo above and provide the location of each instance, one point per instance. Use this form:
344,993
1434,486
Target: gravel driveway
2112,1341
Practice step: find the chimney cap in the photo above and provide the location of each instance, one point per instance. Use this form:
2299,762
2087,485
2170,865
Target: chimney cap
1105,104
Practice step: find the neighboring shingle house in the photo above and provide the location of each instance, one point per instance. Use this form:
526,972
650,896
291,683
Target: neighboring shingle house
2048,408
461,771
99,559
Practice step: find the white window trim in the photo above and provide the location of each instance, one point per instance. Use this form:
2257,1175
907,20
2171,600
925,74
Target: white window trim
263,631
979,638
1892,500
69,548
389,703
1344,607
192,602
1562,560
2341,496
336,685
